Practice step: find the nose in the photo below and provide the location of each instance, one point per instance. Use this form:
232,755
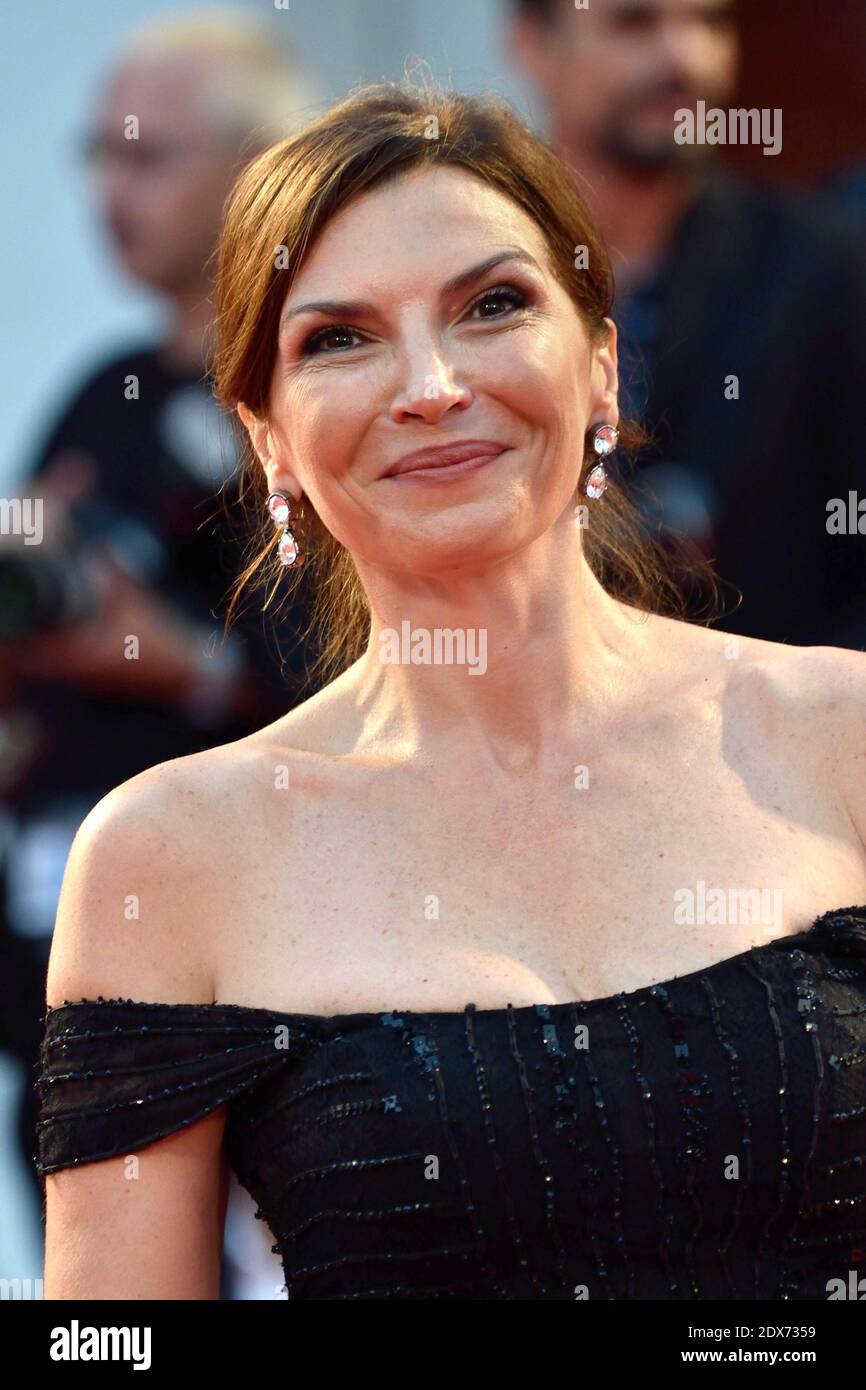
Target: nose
430,389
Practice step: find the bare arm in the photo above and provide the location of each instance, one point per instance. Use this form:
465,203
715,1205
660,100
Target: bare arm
150,1224
156,1235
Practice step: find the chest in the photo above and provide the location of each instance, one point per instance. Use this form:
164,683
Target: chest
431,892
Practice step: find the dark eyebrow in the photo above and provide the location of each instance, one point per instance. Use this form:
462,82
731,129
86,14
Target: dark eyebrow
338,308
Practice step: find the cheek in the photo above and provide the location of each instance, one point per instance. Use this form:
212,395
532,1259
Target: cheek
542,379
169,207
321,423
197,199
319,408
327,410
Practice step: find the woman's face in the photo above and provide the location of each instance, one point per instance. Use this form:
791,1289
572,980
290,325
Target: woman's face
417,363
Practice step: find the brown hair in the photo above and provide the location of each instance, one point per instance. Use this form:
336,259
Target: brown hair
283,199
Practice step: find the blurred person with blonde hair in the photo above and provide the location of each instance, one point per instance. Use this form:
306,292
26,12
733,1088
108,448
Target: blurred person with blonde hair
133,469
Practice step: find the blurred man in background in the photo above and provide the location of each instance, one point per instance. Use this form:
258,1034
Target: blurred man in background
741,309
134,470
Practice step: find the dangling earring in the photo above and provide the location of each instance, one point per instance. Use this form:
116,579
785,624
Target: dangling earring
604,438
280,510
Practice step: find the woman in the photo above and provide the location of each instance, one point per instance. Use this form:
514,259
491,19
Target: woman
514,963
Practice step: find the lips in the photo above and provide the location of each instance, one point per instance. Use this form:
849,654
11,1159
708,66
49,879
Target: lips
447,454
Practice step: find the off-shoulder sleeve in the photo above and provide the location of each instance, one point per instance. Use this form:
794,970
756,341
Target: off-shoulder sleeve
117,1074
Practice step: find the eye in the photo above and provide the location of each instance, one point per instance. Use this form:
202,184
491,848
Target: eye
513,296
312,344
317,341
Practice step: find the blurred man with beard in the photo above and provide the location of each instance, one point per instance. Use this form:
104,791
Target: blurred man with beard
741,308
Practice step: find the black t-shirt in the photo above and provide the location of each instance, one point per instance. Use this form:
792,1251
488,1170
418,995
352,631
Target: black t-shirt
160,450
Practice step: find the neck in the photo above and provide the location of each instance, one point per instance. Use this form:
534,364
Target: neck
636,211
541,655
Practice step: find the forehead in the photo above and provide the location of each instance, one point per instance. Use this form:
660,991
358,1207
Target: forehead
427,218
168,95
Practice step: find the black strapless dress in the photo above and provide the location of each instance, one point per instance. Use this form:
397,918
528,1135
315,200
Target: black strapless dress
701,1138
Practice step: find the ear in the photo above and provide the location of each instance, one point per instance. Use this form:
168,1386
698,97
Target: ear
605,380
257,430
279,477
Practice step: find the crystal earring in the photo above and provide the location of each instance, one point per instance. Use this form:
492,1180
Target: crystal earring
280,510
604,438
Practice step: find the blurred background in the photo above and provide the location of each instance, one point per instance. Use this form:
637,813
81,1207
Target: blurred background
741,305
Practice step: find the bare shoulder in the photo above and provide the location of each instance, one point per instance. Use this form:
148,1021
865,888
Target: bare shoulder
813,701
827,685
143,879
785,679
155,861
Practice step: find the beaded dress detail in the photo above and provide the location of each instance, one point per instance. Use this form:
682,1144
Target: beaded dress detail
699,1138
